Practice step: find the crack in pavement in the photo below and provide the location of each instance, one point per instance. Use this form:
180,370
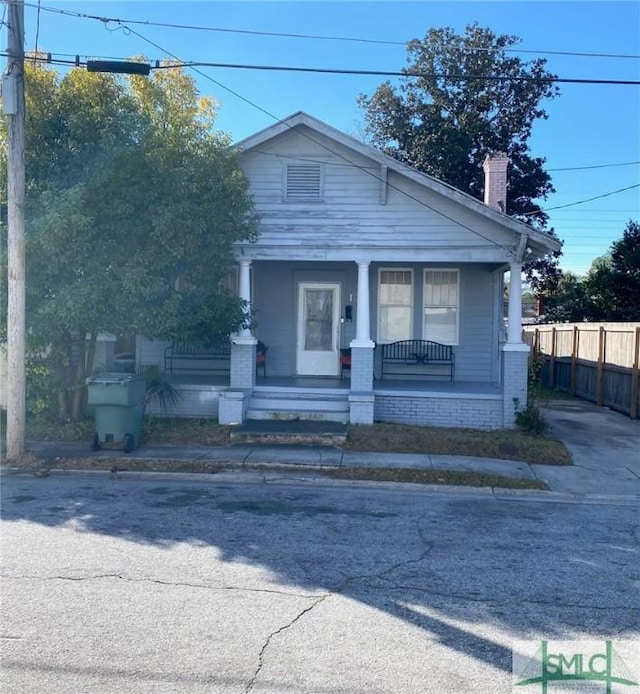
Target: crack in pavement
338,590
176,584
252,682
633,472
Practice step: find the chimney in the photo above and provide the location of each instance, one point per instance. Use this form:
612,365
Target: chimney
495,180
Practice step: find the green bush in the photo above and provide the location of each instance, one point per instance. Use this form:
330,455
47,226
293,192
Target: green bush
529,417
42,388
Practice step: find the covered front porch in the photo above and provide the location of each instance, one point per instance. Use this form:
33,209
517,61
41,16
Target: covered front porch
282,294
489,374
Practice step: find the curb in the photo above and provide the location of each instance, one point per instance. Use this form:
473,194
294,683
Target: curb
279,473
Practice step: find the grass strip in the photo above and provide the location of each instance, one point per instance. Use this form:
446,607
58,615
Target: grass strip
449,477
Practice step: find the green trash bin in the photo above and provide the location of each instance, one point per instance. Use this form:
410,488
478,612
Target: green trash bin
117,399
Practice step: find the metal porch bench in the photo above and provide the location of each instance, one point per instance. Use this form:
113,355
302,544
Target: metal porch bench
416,357
181,357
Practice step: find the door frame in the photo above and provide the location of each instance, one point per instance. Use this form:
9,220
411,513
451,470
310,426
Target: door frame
321,365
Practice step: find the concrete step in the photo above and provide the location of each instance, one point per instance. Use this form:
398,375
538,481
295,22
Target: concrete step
298,415
294,432
299,404
293,404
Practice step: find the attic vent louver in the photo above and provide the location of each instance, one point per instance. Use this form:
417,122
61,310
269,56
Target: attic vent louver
303,182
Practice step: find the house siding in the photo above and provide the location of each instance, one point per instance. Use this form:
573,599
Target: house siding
477,348
352,214
199,401
275,290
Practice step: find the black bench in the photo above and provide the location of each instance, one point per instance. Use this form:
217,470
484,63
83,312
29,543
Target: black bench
410,357
182,357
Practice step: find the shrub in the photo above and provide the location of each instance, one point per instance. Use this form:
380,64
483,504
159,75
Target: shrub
529,417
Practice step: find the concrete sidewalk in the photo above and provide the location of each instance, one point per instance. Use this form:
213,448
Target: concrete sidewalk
605,446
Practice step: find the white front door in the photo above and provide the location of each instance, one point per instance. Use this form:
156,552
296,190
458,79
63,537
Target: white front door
318,326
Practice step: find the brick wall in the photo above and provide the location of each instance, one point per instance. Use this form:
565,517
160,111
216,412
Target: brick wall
361,369
473,413
243,366
514,378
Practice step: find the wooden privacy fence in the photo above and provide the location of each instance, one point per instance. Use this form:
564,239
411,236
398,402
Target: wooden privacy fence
595,361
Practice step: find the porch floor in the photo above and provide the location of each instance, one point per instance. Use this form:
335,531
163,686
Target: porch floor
391,385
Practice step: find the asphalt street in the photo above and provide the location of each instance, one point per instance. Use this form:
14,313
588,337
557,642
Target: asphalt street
246,582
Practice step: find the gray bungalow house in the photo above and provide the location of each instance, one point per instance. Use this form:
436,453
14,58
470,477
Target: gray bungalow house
376,289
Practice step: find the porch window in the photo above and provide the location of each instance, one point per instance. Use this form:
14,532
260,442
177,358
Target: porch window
303,182
395,291
441,306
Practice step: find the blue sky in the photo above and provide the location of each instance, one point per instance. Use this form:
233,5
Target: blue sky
588,125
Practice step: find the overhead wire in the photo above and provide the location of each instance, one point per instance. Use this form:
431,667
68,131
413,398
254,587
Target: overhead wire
37,30
324,146
594,166
372,73
405,73
317,37
596,197
195,65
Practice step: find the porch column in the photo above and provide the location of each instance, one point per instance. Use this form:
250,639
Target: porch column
361,398
515,353
515,304
242,375
363,321
245,292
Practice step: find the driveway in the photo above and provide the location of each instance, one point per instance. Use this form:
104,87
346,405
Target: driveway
605,446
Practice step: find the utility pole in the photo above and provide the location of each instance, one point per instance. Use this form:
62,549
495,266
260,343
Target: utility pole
14,108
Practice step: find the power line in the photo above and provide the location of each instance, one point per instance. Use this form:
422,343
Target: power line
595,166
338,154
316,37
203,74
402,73
194,65
597,197
37,28
375,73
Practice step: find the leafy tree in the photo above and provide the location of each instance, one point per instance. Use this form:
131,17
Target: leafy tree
133,205
446,120
610,291
570,301
613,282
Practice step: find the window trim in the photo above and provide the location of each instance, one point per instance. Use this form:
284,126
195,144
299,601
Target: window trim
424,301
285,177
411,301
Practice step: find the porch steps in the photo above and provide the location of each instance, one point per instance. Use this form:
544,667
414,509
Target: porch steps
290,432
295,404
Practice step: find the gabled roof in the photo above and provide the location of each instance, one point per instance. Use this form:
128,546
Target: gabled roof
539,241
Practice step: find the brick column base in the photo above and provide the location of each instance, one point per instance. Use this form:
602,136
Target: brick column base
361,369
361,408
232,406
361,397
243,363
515,365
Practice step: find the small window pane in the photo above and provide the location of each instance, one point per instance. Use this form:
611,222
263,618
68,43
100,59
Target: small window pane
394,305
318,320
441,325
395,323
